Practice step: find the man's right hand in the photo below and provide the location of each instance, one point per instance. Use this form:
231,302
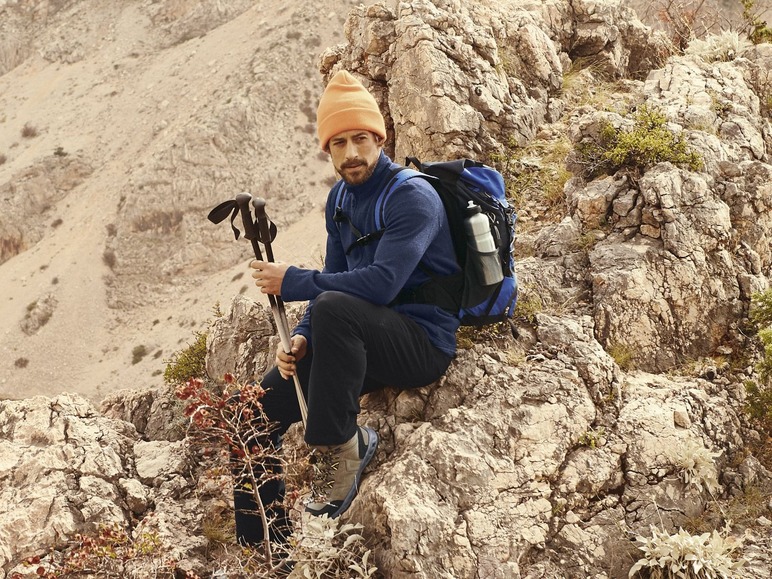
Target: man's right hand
286,363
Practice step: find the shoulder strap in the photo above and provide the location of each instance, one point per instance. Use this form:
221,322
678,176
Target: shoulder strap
399,176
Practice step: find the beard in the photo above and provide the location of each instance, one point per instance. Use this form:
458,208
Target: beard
356,172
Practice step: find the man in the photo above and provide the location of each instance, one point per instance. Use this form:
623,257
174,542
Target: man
359,332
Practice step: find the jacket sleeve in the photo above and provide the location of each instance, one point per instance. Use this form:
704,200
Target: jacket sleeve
412,220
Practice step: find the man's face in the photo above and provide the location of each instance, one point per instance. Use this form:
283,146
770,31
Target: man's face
355,154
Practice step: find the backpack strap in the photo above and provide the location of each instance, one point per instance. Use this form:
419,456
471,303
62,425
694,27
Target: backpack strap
398,176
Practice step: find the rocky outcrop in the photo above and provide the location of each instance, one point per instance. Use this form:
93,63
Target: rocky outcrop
465,79
687,249
66,469
535,456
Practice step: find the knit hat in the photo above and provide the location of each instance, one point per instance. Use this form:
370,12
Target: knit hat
346,105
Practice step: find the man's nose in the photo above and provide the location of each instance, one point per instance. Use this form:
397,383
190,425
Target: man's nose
351,150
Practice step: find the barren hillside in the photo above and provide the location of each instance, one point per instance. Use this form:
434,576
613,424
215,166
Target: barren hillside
140,116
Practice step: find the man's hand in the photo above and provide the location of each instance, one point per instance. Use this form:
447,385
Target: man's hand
269,275
286,362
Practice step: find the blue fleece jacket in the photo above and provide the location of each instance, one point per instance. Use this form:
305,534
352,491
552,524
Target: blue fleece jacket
416,231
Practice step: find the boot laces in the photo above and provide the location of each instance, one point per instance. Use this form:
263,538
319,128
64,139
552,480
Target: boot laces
325,464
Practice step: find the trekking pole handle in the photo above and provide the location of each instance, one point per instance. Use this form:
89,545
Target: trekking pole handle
263,226
250,231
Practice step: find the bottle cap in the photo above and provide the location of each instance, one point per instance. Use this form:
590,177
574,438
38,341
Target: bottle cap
472,208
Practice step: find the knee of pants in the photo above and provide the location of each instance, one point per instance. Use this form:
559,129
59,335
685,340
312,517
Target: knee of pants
330,308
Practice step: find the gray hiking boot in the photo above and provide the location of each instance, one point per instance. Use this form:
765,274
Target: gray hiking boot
337,470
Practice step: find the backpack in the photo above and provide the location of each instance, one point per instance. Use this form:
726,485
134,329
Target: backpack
457,182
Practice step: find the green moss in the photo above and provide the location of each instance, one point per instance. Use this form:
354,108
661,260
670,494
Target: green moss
649,142
187,363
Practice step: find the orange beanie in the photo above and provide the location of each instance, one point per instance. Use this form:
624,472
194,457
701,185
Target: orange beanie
346,105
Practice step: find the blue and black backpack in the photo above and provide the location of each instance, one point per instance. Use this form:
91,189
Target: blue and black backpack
458,182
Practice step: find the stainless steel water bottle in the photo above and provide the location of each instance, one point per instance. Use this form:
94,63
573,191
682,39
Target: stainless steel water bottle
482,248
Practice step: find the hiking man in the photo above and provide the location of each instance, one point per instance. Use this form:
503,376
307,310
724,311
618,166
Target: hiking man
360,332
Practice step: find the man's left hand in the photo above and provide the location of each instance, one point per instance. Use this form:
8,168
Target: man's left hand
269,275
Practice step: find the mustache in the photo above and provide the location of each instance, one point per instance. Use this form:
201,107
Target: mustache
352,164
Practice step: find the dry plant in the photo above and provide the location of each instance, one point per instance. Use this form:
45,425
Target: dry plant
28,131
696,466
110,553
233,423
685,20
686,556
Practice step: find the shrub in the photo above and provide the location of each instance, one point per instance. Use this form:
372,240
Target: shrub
187,363
138,353
758,402
319,546
21,362
108,258
760,311
682,555
696,465
623,355
757,29
593,438
28,131
325,548
536,173
110,553
723,46
528,306
649,142
3,159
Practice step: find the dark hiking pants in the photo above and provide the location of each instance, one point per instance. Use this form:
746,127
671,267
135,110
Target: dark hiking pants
357,347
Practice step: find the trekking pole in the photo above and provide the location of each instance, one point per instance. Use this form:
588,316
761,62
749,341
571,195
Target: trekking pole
277,304
265,234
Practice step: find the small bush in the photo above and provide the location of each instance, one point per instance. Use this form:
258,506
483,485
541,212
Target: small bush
757,29
758,402
28,131
327,548
108,258
138,353
593,438
760,311
187,363
21,362
696,465
723,46
683,555
649,142
623,355
528,306
3,159
111,553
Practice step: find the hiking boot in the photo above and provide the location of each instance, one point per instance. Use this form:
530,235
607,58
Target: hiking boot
337,470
